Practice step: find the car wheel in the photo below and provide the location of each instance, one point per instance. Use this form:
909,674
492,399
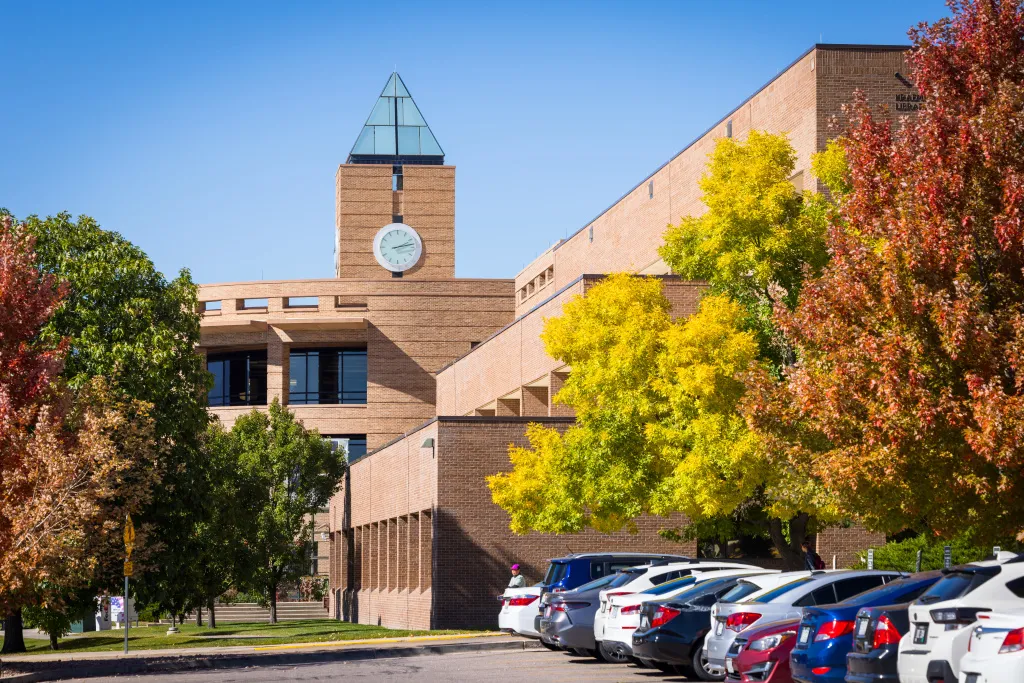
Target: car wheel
613,655
701,668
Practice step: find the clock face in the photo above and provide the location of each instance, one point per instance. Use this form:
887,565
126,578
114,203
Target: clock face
397,247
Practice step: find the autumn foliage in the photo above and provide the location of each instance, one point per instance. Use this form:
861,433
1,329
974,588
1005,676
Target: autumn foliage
907,402
71,463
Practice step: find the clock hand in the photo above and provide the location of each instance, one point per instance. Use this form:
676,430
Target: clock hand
407,244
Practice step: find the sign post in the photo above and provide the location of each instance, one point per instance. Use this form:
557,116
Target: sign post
947,556
871,558
917,566
129,545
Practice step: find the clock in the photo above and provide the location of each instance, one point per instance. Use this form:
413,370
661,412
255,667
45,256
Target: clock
397,247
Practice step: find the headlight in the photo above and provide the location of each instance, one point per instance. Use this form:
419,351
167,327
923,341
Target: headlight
770,642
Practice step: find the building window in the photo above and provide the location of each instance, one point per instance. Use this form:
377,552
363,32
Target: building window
396,178
210,305
473,345
239,378
650,189
397,218
354,445
728,128
254,303
327,376
591,233
541,280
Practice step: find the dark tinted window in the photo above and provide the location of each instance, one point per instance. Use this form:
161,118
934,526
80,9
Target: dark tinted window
781,590
669,586
825,595
596,569
658,579
327,376
556,572
847,588
239,378
892,593
954,585
622,578
740,591
1016,587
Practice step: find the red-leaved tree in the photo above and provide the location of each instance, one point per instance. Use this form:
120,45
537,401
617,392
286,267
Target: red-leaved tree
908,400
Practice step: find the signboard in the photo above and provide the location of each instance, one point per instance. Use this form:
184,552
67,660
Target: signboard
947,556
116,609
129,538
128,568
995,550
871,558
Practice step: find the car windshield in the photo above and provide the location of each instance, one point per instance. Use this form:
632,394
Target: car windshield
741,590
954,585
700,589
898,591
781,590
622,578
670,586
556,572
596,583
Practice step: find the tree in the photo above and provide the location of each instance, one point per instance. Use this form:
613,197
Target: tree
125,321
287,473
907,405
68,459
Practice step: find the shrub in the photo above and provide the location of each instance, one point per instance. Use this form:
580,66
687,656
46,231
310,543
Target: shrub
902,555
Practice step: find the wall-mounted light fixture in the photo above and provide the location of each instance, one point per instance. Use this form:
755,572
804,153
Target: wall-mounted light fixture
428,443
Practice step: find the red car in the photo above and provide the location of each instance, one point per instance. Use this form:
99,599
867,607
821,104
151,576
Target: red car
761,653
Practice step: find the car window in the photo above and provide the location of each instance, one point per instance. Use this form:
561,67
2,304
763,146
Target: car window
596,583
1016,587
658,579
847,588
741,590
618,566
556,572
825,595
781,590
622,578
597,570
669,586
954,585
895,592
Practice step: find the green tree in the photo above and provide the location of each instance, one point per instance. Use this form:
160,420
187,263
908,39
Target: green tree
125,321
287,473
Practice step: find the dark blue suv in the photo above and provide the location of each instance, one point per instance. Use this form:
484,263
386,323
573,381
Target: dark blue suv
572,571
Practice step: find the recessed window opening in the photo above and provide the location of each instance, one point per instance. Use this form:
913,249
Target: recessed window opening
529,288
591,233
650,189
354,445
397,218
239,378
728,128
254,303
302,302
327,376
541,280
396,178
473,345
522,294
211,305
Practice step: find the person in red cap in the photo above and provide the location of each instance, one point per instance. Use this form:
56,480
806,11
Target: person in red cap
518,580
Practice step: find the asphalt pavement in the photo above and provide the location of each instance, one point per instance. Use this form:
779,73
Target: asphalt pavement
504,666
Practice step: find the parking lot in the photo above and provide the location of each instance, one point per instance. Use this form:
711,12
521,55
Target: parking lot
504,666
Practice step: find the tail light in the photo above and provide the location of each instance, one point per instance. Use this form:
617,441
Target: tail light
740,620
821,670
663,615
1013,642
833,629
614,593
521,600
885,633
955,618
629,609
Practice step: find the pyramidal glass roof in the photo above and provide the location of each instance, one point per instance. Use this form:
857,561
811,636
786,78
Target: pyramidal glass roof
396,130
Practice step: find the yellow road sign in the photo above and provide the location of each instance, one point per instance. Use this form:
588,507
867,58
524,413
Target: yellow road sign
129,536
128,568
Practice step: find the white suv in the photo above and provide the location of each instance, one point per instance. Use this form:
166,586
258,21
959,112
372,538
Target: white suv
937,640
995,652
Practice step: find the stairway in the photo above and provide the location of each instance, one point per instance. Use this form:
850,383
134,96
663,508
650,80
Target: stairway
250,611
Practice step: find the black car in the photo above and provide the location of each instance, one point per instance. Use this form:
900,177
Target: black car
876,644
671,633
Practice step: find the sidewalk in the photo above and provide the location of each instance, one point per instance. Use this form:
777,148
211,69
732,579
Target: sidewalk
65,665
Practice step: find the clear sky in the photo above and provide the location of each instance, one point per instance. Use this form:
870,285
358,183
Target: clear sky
209,133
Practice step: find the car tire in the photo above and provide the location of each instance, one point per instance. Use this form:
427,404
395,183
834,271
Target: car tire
699,665
613,655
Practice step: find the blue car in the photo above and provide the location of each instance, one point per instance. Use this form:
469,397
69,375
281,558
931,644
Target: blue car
825,635
572,571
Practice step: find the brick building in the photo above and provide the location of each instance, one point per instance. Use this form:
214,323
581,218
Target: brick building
427,378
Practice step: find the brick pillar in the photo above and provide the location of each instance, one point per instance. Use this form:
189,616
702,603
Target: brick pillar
506,407
403,552
555,409
535,401
426,549
277,367
392,554
414,551
362,580
375,556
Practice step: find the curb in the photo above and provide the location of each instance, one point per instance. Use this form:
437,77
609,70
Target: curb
114,667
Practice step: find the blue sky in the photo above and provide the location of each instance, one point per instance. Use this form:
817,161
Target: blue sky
209,133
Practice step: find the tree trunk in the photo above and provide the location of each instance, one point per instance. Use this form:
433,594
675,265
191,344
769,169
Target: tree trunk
53,642
14,637
213,615
791,552
273,602
199,615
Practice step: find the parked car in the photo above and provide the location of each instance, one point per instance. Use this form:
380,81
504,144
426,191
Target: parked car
786,602
518,609
671,632
824,637
995,652
623,615
761,653
567,619
572,571
876,644
931,650
648,577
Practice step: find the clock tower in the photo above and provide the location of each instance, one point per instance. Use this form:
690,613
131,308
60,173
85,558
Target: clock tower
395,198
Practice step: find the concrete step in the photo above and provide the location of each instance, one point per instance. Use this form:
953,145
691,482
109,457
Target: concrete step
286,611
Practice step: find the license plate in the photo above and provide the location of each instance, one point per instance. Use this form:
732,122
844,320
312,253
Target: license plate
862,627
644,623
719,627
729,666
615,611
805,635
920,634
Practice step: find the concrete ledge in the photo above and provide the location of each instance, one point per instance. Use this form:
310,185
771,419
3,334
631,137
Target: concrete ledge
25,670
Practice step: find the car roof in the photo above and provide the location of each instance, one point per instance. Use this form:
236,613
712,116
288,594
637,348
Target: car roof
624,556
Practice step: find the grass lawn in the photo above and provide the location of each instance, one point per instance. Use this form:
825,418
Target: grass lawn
156,638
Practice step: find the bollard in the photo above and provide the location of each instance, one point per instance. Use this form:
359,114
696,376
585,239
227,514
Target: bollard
917,566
